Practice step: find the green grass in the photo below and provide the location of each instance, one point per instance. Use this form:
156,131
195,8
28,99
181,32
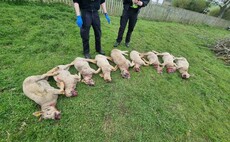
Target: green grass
148,107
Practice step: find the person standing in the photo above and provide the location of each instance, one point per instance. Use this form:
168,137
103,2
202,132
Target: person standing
131,9
87,16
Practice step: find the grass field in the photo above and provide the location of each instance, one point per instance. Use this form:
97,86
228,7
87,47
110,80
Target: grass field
148,107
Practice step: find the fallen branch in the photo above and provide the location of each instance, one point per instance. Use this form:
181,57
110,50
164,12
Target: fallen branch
222,50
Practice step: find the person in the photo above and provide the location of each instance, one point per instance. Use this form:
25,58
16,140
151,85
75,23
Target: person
131,9
87,15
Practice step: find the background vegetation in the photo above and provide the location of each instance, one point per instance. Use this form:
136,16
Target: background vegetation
194,5
148,107
214,11
217,8
221,11
227,15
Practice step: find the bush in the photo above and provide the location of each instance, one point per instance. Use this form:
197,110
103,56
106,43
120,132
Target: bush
181,3
193,5
227,15
214,11
198,5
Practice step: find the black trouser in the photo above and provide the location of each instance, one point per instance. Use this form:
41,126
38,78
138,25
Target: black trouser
129,14
90,18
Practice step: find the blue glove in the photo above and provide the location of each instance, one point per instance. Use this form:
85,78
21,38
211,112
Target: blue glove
107,17
79,21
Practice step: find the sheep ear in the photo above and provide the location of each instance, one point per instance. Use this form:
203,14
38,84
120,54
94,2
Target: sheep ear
37,113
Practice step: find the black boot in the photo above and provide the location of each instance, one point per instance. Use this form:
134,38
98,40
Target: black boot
101,52
87,56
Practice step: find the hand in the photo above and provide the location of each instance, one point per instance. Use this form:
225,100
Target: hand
140,3
79,21
107,17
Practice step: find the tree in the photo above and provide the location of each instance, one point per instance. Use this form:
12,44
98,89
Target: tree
223,4
224,8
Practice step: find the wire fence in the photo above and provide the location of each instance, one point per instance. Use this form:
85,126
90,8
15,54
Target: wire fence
156,12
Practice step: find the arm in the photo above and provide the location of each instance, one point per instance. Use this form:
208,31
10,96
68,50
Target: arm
142,3
145,3
103,6
77,9
79,21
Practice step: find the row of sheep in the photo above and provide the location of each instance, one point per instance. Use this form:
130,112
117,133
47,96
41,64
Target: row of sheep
38,89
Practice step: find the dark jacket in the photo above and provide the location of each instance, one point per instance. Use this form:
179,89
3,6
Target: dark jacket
89,5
